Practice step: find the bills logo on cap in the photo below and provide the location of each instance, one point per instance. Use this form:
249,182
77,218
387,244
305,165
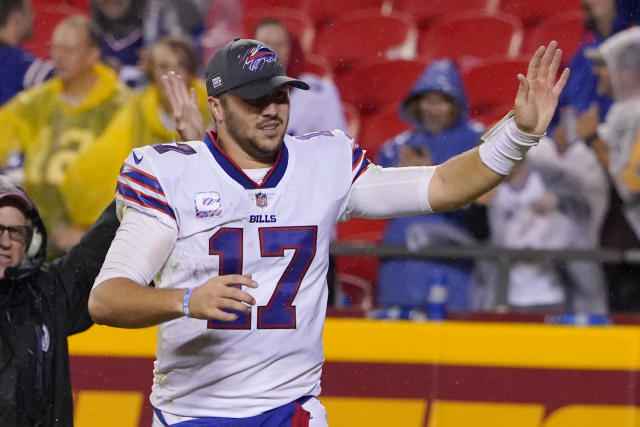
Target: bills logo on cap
258,57
208,204
261,200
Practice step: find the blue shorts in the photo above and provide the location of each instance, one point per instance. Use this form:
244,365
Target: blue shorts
289,415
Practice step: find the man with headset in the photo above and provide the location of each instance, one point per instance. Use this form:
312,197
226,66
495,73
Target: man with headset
41,303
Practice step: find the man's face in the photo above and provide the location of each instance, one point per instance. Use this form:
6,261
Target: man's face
25,16
257,126
598,9
165,59
72,54
436,111
275,36
113,9
12,245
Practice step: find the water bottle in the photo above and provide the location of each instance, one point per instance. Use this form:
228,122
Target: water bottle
437,298
579,319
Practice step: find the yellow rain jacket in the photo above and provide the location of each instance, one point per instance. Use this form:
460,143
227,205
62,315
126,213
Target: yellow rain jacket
52,134
138,123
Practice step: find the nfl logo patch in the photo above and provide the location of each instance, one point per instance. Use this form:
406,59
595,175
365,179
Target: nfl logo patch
261,200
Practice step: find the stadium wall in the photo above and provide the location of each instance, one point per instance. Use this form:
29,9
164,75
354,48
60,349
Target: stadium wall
401,373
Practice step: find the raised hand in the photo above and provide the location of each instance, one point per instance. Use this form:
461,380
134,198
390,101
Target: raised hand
538,93
208,300
184,104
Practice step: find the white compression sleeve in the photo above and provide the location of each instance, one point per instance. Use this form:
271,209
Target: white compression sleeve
141,246
505,145
391,192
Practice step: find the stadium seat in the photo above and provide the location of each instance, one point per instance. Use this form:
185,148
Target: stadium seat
379,127
426,13
46,17
249,5
298,22
491,83
491,115
363,267
566,27
318,65
467,36
533,12
373,85
364,36
325,12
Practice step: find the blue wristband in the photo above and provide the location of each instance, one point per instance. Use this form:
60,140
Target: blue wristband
185,302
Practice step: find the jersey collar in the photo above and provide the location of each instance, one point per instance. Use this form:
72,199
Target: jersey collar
235,172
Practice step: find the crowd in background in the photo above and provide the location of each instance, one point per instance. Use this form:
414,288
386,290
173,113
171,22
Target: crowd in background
68,123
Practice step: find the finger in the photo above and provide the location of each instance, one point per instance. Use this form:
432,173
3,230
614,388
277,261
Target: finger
181,88
534,64
555,64
523,91
239,295
223,316
169,92
237,279
549,53
230,304
194,97
562,81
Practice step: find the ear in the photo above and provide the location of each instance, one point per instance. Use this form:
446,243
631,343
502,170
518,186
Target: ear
216,108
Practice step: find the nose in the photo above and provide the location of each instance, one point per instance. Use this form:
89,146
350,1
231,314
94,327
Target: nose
270,110
5,240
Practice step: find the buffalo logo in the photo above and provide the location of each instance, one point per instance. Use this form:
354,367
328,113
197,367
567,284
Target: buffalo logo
261,200
258,57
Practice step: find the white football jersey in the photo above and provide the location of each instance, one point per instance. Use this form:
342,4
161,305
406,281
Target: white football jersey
279,232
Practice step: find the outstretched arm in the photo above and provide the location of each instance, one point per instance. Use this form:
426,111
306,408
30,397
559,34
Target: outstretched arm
465,177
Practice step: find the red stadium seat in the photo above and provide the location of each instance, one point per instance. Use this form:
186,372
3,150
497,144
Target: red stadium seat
248,5
532,12
318,65
566,27
470,35
297,22
364,36
363,267
46,17
379,127
491,116
325,12
374,85
492,83
427,12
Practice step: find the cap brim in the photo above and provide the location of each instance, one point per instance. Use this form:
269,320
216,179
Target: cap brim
259,88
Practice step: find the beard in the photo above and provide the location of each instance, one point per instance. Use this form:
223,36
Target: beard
250,145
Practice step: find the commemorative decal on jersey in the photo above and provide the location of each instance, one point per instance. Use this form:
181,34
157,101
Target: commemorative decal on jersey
208,204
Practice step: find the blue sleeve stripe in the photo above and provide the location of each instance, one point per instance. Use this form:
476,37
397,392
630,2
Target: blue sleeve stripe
357,155
143,200
363,167
141,178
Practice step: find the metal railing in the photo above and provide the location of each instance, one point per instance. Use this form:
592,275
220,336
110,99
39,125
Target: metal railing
502,257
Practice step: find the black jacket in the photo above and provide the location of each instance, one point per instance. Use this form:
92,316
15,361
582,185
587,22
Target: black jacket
39,307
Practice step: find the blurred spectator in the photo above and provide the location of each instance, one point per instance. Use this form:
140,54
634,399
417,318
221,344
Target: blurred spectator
20,69
318,108
121,24
54,122
603,18
617,144
176,18
223,22
144,119
437,106
540,207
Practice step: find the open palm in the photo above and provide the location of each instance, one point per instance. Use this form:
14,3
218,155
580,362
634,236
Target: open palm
538,93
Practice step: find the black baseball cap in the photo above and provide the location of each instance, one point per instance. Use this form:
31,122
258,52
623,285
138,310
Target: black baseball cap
248,69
